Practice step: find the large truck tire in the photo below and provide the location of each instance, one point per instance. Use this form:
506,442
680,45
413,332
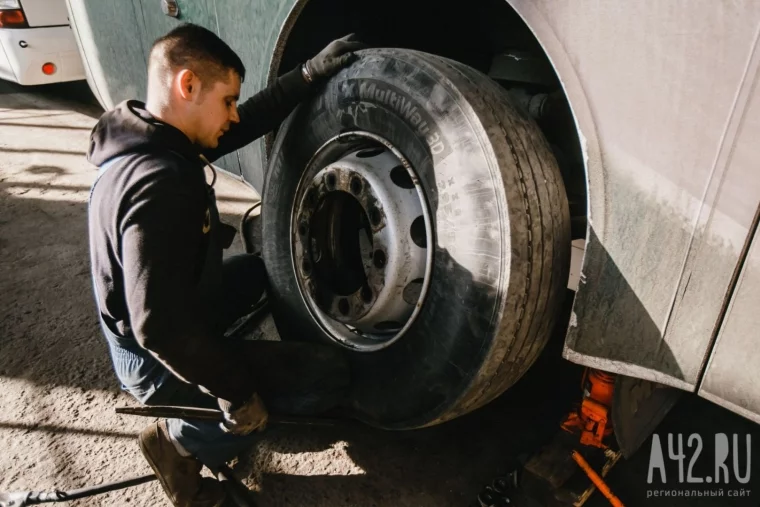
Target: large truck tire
482,269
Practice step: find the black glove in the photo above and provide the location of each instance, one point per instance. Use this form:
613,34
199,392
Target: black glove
246,418
334,57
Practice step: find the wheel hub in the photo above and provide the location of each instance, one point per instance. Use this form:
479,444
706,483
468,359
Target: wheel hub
360,237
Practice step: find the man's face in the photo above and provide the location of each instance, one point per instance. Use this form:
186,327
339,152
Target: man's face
215,110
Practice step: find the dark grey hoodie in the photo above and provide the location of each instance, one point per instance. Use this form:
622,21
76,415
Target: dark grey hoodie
155,243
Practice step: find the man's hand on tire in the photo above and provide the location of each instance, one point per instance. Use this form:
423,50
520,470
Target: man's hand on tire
246,418
334,57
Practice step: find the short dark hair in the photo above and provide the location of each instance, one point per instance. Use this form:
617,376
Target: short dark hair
196,48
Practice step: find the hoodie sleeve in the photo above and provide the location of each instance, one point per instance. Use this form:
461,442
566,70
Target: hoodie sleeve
159,247
263,112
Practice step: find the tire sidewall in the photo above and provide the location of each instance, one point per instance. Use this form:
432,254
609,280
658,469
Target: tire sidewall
418,378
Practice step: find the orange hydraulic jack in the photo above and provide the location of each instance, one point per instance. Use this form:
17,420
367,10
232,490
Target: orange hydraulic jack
592,421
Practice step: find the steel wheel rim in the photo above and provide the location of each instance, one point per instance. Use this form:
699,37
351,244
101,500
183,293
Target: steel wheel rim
350,176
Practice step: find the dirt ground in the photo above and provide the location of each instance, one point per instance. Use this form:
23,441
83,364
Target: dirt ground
57,389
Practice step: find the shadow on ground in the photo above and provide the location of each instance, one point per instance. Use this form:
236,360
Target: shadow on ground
72,96
442,465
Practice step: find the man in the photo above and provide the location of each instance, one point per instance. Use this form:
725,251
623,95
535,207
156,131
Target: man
163,292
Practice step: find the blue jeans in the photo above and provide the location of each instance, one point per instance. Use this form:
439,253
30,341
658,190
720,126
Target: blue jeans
292,378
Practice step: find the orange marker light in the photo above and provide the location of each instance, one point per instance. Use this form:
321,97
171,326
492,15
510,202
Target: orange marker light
12,19
49,69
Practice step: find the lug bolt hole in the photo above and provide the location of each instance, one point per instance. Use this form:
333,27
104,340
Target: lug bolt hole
401,178
412,291
306,265
302,229
366,294
356,185
379,259
370,152
388,325
330,181
343,306
374,216
417,232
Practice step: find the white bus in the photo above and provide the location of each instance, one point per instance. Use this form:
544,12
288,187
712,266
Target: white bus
37,45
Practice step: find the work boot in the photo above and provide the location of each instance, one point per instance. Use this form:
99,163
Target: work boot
179,476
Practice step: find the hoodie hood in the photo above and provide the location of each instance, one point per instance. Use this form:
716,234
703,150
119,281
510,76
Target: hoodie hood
130,128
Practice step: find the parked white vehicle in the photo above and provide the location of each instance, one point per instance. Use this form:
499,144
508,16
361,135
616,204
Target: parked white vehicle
37,45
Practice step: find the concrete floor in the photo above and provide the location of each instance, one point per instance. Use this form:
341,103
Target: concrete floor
57,391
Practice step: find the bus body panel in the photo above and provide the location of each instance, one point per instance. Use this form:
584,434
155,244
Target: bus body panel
658,104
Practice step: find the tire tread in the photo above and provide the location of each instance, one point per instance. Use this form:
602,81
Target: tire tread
515,128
